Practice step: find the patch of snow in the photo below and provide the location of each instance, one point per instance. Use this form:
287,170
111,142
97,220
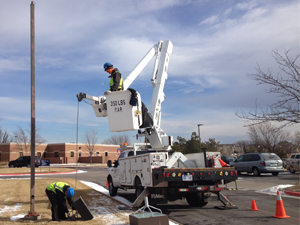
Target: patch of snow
273,190
14,218
6,208
71,172
110,217
105,191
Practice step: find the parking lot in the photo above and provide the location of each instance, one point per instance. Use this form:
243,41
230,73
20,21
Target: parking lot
249,188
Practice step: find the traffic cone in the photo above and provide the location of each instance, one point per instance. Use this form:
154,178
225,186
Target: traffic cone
107,185
280,211
254,207
222,162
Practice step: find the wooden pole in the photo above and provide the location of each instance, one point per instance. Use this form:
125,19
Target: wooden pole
32,215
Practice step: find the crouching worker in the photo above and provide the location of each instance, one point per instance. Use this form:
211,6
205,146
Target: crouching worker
57,193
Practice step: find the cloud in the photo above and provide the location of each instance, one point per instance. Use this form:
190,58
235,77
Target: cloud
14,64
207,67
246,5
210,20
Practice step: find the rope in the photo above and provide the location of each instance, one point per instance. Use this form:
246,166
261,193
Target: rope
77,145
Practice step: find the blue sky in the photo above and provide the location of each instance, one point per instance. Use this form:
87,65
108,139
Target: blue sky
216,43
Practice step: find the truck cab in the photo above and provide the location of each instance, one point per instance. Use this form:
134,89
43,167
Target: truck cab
134,168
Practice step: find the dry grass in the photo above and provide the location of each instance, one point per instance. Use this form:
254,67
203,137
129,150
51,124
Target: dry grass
15,200
295,188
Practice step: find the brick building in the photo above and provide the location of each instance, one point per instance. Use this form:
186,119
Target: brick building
59,153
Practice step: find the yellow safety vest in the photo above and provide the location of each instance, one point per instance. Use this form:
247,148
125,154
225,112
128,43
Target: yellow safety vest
111,82
57,186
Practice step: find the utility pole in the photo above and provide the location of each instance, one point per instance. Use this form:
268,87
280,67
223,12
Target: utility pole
199,133
204,149
32,214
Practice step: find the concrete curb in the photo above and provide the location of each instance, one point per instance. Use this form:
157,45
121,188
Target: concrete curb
297,194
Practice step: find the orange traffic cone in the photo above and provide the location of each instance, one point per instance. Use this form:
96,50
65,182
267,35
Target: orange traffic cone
107,185
222,162
254,207
280,211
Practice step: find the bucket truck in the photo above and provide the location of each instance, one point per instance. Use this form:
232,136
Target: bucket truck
158,172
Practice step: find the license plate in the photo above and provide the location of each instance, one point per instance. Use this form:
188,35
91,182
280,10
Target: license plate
187,177
273,164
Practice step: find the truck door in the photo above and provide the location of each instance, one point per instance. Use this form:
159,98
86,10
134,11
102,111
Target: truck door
122,166
119,173
19,162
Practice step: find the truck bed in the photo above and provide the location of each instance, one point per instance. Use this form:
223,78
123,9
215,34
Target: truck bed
208,175
191,170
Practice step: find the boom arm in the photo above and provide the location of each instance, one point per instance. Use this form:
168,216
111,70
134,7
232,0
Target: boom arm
103,104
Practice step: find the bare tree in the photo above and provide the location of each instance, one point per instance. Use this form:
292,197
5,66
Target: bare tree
286,85
23,139
267,136
5,137
296,140
90,139
243,145
117,140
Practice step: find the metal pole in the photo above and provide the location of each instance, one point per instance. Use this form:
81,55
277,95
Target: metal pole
204,150
32,26
199,133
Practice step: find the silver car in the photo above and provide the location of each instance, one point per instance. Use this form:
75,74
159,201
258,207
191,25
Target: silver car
258,163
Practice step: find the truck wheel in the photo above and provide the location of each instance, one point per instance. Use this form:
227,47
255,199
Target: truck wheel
112,189
292,170
11,166
138,191
196,200
255,171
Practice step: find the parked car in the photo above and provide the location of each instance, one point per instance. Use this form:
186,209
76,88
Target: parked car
258,163
24,161
227,158
293,163
283,162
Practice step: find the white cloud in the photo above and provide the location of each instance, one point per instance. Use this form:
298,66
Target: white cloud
246,5
207,67
209,21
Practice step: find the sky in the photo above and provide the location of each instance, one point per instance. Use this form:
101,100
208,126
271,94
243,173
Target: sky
216,44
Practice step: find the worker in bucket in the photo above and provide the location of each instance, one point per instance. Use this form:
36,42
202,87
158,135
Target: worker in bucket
57,193
116,79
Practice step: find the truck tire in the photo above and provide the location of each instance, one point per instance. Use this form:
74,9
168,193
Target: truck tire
11,165
196,200
292,170
256,171
112,189
138,191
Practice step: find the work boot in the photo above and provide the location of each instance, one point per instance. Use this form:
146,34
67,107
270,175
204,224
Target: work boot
55,213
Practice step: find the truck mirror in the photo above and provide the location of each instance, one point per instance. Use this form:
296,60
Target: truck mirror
109,163
116,163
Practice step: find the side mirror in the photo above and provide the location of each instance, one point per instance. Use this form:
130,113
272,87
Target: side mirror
109,163
116,163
